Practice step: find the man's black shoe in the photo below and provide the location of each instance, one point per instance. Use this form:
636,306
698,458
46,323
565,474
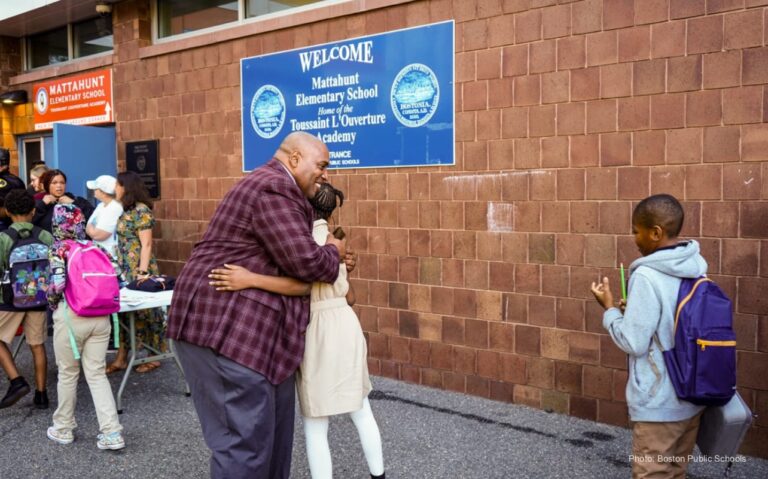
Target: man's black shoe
41,399
16,391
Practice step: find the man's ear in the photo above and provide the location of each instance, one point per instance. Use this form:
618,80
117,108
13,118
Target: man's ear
294,158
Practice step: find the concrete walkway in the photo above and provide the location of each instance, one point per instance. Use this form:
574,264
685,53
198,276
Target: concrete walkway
427,434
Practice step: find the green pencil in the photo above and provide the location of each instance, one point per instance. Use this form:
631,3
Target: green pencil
623,283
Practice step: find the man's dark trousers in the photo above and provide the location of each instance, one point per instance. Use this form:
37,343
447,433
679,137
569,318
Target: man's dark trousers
247,421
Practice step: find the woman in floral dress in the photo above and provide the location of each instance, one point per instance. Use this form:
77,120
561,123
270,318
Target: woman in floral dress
134,253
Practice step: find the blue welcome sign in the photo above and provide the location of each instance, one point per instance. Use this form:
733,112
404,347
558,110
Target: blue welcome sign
377,101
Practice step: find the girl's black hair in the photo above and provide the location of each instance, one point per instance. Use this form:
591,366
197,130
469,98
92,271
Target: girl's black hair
325,200
134,190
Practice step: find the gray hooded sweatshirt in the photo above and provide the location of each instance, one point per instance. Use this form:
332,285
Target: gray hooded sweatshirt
654,281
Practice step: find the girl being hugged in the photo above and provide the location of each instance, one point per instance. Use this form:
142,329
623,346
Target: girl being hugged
90,335
333,376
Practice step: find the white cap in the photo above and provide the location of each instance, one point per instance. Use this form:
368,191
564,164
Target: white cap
105,183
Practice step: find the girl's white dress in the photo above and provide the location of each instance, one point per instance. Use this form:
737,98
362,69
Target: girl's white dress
333,376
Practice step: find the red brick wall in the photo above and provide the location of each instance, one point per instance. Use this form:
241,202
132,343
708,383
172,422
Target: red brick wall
474,278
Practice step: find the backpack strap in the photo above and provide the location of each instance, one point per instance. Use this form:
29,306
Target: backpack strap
71,334
35,232
13,234
680,306
686,299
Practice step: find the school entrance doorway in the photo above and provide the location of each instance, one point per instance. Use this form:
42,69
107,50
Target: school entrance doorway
81,152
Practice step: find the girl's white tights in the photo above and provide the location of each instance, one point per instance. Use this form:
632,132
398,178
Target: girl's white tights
319,454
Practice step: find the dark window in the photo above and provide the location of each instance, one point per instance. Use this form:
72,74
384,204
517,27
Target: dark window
92,36
48,48
254,8
182,16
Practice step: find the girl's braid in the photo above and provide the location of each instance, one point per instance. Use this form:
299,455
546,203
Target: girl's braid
325,200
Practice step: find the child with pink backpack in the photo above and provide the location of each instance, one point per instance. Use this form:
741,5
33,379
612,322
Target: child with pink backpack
83,292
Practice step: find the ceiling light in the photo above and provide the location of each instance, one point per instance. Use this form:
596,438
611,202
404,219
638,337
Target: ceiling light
14,97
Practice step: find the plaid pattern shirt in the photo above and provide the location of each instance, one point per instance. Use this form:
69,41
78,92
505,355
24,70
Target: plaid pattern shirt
264,224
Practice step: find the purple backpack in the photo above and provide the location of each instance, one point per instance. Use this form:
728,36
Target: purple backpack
702,363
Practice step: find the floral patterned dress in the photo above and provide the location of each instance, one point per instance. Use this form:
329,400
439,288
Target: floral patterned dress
150,323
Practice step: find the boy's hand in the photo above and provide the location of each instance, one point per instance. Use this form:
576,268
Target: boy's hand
622,305
603,293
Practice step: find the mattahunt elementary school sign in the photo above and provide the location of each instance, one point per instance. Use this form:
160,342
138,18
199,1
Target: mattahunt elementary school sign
378,101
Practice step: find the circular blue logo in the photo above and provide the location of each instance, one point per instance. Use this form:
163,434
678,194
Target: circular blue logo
415,95
267,111
41,101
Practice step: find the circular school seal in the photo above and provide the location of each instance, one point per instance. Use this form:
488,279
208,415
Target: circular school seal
415,95
41,101
267,111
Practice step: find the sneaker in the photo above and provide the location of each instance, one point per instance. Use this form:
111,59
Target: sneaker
41,399
112,441
17,390
60,435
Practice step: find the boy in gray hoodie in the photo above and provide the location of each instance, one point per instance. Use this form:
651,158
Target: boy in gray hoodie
664,427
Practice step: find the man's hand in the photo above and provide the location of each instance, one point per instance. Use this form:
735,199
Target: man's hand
603,293
350,259
340,245
230,278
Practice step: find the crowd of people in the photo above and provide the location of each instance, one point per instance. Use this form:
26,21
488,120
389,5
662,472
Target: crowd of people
41,222
262,311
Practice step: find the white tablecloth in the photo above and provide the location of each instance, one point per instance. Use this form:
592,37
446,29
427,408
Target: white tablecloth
132,300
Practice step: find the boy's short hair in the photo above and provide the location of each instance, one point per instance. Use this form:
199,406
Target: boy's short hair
19,202
660,210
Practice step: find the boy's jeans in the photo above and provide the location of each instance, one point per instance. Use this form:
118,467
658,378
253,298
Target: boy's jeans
91,337
661,449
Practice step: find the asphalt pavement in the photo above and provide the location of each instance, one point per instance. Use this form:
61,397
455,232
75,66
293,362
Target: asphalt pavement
426,433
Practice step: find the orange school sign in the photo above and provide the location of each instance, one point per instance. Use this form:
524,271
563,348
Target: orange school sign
78,100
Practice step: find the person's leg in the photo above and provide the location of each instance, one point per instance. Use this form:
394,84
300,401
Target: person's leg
236,408
370,438
120,362
69,371
36,330
41,365
18,387
9,324
318,451
655,447
7,363
687,432
285,415
93,358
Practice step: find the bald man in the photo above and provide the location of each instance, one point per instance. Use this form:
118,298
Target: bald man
239,350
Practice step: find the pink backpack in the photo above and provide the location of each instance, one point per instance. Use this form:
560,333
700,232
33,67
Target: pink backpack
92,287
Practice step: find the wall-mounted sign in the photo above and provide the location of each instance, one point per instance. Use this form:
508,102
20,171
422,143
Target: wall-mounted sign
84,99
377,101
141,157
